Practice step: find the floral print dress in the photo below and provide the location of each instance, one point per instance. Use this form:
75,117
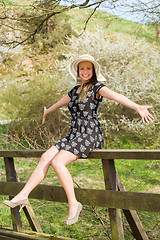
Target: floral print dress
85,132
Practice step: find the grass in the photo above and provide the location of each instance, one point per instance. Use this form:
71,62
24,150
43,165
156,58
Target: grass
18,3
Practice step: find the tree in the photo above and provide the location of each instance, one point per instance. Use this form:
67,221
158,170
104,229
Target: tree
20,24
28,20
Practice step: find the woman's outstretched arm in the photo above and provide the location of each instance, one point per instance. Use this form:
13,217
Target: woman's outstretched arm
142,110
62,102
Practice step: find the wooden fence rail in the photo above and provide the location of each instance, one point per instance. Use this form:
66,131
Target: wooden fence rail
114,197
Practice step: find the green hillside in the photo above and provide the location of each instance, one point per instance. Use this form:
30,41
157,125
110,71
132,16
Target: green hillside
110,23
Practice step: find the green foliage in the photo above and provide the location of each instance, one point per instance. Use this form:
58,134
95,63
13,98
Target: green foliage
30,97
3,133
54,31
9,2
40,22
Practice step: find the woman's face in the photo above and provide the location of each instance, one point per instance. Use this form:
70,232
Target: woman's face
85,71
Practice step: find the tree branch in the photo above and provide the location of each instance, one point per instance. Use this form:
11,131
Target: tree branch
53,13
89,19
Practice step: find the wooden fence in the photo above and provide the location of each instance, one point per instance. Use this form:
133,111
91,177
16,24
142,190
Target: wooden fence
114,198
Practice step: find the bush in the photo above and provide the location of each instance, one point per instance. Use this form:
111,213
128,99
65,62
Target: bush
24,102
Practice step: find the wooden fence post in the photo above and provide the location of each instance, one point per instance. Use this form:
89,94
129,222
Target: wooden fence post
11,177
109,172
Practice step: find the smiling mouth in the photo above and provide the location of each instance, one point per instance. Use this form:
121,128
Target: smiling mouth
85,76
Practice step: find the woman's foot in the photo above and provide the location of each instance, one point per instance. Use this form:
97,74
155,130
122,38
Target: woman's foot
12,204
74,218
19,197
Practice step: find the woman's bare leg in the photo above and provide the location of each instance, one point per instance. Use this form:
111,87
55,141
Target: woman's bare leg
58,160
38,174
59,163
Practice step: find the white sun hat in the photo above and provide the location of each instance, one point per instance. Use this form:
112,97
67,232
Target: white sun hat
74,64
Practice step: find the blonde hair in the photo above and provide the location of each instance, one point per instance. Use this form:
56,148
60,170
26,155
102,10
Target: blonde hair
84,92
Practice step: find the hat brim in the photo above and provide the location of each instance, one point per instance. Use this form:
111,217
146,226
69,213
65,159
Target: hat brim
73,67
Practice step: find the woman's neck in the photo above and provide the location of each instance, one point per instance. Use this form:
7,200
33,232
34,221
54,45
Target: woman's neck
83,82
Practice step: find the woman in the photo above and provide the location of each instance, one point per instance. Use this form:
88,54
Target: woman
85,133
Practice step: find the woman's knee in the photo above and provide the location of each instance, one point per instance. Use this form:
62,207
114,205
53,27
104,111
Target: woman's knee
62,159
44,157
56,163
49,155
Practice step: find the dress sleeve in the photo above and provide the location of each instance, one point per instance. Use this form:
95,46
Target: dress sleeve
73,91
98,86
70,93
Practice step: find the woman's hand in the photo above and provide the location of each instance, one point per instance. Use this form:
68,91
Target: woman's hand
44,115
145,114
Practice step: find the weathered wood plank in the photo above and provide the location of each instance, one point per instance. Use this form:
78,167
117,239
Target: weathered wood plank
50,236
143,154
126,154
32,219
34,153
6,238
109,172
9,235
93,197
